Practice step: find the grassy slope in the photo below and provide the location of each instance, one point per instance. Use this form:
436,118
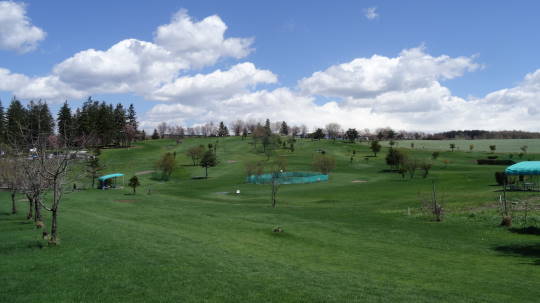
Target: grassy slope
343,241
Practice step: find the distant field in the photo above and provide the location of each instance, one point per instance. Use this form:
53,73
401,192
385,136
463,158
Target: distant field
503,145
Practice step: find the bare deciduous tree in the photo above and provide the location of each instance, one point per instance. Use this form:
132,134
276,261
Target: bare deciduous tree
162,129
11,177
333,130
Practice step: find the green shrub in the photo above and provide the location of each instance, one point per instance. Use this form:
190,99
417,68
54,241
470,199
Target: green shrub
501,178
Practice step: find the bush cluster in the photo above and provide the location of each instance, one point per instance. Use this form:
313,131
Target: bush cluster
494,162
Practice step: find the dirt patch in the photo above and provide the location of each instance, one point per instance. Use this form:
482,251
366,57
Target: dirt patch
144,172
359,181
231,161
125,201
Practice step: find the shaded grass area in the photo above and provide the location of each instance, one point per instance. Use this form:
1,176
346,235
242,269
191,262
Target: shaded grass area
189,240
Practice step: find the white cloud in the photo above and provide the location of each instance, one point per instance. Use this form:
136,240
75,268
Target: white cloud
371,13
10,81
369,77
403,92
128,66
200,43
216,85
145,68
16,31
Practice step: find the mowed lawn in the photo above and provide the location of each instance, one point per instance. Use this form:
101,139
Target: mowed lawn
190,240
481,145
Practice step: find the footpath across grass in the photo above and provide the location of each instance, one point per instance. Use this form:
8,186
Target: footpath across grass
359,237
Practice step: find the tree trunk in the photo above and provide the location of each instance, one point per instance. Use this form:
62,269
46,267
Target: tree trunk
37,213
13,205
54,225
206,170
93,181
30,208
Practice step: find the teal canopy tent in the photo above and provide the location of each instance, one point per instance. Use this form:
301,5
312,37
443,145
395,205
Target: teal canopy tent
525,168
109,181
527,173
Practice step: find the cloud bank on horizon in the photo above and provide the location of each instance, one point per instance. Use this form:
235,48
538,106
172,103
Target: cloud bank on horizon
405,92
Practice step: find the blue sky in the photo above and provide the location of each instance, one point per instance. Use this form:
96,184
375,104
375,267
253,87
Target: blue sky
294,39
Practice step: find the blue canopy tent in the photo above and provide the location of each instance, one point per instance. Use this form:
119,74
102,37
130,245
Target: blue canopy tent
527,173
109,181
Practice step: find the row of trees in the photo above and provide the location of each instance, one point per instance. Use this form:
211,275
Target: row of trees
40,168
332,131
401,162
240,127
105,124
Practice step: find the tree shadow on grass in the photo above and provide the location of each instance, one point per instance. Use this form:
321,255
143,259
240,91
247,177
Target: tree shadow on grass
523,250
529,230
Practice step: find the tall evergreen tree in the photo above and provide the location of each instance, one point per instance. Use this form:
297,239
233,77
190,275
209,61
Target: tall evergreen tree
65,123
132,117
2,124
223,130
119,124
40,120
267,128
16,124
284,130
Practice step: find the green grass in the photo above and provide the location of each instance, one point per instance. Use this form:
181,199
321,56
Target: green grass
502,145
194,240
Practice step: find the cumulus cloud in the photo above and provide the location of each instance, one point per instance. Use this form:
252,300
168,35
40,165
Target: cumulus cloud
371,13
200,43
16,30
405,92
216,85
149,69
369,77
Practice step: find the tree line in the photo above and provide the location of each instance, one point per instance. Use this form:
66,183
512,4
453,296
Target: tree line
332,131
106,124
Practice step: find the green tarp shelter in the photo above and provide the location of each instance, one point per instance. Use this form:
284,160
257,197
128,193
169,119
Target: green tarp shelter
525,168
109,181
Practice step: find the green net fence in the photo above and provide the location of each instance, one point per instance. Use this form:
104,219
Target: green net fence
288,178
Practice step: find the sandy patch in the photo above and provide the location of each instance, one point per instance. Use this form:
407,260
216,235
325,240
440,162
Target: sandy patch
144,172
231,161
359,181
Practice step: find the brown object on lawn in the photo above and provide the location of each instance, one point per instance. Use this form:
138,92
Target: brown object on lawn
506,221
278,230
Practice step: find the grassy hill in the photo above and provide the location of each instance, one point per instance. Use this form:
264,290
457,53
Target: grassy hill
190,240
